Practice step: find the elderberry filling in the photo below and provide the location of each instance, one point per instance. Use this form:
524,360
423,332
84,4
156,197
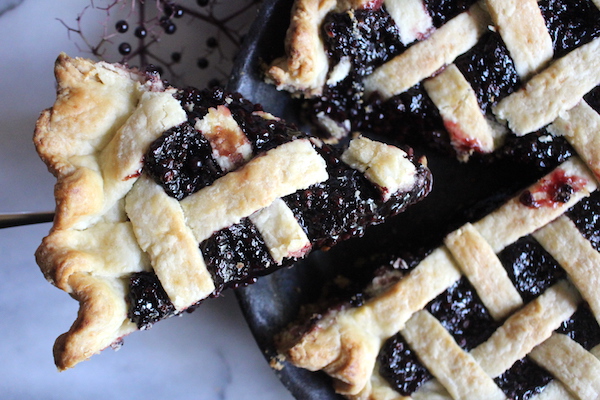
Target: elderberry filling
442,11
582,327
345,204
462,313
181,162
409,117
539,149
490,70
400,367
593,98
571,24
237,255
523,380
530,267
368,37
586,218
148,301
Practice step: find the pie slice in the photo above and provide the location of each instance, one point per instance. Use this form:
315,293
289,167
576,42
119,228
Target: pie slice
507,307
471,77
167,196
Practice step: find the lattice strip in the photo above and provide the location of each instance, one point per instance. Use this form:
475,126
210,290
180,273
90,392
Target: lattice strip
581,125
121,160
231,147
573,365
523,29
412,19
281,231
171,245
554,90
458,372
484,270
433,275
576,255
281,171
424,58
527,328
515,219
466,124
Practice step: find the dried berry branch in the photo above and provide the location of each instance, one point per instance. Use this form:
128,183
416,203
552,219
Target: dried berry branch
156,22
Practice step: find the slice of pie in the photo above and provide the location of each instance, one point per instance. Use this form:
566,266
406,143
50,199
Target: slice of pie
471,77
507,307
165,197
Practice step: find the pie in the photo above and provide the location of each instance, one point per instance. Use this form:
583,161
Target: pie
474,78
167,196
506,307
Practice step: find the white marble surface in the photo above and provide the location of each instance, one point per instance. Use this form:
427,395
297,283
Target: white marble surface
209,354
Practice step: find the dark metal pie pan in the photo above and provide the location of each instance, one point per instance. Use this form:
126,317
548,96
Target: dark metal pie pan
461,192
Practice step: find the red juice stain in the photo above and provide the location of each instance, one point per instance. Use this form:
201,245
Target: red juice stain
553,190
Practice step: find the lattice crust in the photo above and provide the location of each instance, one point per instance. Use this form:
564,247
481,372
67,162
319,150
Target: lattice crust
345,343
160,191
424,50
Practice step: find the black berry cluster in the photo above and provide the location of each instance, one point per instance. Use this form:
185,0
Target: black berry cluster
140,34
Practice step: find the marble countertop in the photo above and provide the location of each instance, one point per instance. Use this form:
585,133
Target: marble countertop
209,354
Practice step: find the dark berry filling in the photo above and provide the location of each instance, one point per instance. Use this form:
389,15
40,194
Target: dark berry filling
462,313
490,70
442,11
593,98
400,367
586,217
369,37
582,327
345,204
539,150
338,208
570,23
236,255
148,302
181,161
410,116
523,380
263,133
340,102
197,102
531,269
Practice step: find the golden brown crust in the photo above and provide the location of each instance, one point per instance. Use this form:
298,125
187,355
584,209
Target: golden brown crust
523,29
554,90
424,58
345,343
305,67
113,220
91,246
